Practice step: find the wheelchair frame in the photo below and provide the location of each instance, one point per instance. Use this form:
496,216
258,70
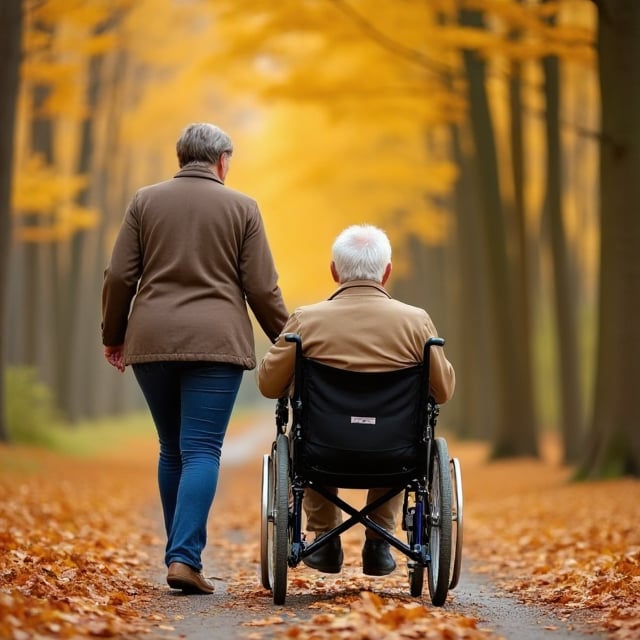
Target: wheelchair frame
432,508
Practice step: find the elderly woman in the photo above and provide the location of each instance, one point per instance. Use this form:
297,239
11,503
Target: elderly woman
191,254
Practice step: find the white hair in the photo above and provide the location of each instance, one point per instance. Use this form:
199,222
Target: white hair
361,252
202,142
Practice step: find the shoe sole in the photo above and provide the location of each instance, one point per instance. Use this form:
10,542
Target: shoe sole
187,586
378,573
323,568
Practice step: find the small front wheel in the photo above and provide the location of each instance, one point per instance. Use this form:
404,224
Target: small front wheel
416,569
416,579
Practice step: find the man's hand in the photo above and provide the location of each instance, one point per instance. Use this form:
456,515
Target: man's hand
115,357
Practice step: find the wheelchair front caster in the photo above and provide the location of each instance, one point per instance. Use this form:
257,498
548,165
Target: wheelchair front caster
416,579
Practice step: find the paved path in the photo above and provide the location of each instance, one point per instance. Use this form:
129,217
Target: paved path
221,616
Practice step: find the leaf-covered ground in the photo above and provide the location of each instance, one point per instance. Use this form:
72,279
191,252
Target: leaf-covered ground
76,547
572,546
72,543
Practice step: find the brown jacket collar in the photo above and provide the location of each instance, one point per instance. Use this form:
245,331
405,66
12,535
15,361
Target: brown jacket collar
197,171
355,287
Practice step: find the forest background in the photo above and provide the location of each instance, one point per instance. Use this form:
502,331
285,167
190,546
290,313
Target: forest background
496,141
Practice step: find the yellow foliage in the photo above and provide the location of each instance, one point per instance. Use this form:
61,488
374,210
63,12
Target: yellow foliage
314,175
58,225
167,34
334,107
42,194
39,188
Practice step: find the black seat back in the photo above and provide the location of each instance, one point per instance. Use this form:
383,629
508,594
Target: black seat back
361,429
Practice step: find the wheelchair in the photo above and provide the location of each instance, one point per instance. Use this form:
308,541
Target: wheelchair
360,430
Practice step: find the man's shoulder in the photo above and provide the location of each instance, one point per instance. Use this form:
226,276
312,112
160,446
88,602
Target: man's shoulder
312,307
407,308
382,304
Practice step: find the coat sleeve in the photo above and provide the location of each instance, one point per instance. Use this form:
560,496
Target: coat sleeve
277,368
442,377
121,280
260,279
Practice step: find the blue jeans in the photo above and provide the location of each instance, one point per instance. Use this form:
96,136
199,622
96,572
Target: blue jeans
191,404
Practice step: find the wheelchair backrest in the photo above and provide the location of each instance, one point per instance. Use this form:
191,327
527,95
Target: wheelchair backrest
362,423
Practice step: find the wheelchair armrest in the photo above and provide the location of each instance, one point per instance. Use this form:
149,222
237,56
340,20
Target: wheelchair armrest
294,337
282,414
431,342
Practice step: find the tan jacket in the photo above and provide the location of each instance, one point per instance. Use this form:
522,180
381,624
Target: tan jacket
196,253
360,327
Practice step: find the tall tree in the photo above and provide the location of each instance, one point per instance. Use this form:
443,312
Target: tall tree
565,295
476,385
614,443
10,48
515,427
521,283
74,373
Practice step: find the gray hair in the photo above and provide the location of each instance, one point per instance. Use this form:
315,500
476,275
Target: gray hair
203,143
361,252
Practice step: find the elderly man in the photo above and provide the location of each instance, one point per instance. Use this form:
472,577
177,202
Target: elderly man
360,328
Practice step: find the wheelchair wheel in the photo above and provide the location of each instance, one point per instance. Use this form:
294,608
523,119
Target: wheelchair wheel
457,522
439,523
279,547
265,515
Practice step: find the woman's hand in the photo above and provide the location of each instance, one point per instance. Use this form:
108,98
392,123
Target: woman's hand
115,357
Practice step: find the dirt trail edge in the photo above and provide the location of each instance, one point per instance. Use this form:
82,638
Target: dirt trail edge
242,609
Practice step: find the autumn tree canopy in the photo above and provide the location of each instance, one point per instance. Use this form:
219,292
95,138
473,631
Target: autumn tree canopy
468,129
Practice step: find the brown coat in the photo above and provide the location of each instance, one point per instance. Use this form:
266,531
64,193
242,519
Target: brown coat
196,253
360,327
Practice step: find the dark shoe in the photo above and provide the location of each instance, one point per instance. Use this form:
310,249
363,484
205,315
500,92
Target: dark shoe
182,576
376,558
328,558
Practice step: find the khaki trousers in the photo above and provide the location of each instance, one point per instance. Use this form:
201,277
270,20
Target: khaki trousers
323,515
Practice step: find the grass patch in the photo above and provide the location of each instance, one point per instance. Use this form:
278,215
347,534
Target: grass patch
94,437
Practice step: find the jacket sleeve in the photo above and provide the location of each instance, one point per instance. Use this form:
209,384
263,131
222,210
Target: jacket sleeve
121,280
260,279
442,377
276,370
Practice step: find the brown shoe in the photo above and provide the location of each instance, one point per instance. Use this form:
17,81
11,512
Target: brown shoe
182,576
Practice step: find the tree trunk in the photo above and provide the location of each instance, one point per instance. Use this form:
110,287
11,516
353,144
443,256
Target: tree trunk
34,253
76,372
614,444
10,49
475,381
514,433
521,264
114,393
564,293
